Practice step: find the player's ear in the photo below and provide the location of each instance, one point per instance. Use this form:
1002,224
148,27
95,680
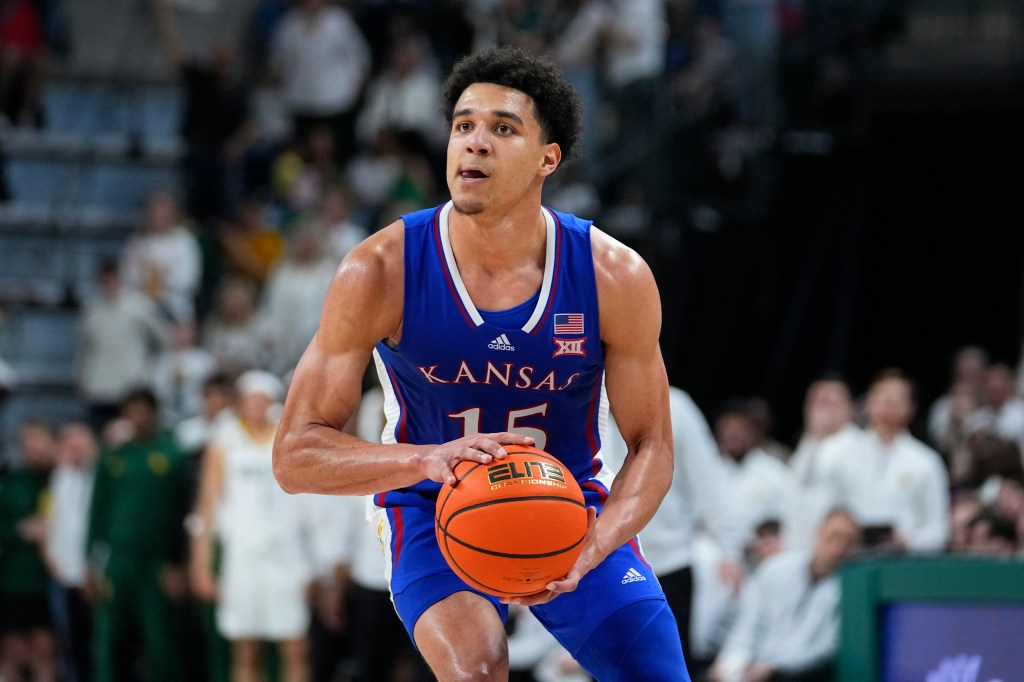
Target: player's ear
551,158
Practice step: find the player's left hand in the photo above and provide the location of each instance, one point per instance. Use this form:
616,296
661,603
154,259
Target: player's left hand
590,557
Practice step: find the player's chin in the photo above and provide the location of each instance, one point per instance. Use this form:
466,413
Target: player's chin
467,206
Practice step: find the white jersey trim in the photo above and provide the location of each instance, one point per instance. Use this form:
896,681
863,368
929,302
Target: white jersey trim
392,409
460,286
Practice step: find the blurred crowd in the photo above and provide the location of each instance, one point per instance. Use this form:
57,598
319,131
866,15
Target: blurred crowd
148,539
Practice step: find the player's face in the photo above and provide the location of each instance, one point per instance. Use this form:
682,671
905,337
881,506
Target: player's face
496,148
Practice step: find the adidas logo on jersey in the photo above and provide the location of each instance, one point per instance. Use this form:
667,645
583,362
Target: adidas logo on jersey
501,343
633,576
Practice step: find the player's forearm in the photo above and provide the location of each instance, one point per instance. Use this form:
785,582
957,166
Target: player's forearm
639,487
323,460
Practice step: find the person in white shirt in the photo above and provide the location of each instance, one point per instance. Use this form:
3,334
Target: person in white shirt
293,298
121,334
179,375
1003,411
828,428
788,623
322,59
969,366
163,260
405,96
697,503
70,496
759,485
893,484
266,567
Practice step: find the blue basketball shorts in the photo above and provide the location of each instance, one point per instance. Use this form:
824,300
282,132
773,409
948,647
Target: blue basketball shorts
617,623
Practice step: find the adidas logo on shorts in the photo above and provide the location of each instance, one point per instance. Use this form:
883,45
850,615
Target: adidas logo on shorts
633,576
501,343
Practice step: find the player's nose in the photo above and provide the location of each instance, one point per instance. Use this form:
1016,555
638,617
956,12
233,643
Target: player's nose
478,142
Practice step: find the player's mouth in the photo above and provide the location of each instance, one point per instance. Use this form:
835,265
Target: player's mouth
471,173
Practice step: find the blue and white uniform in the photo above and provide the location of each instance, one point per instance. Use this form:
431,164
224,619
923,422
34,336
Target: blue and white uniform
535,369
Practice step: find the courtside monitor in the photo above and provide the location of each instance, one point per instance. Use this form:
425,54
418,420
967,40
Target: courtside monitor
932,619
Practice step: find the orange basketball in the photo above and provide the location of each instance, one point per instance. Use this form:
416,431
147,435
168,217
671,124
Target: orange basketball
510,527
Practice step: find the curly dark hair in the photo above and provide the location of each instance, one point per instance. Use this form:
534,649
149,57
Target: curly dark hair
555,100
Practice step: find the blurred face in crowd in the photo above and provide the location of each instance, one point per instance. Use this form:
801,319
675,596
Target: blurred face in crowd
890,405
736,435
838,537
252,407
828,408
236,302
77,445
141,415
216,398
961,513
970,365
183,335
37,445
1000,385
161,213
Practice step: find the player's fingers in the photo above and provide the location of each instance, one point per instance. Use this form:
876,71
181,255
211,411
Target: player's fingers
508,438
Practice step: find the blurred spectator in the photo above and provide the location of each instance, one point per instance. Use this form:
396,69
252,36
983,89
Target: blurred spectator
121,335
215,122
752,29
967,380
27,643
992,460
696,503
266,569
576,36
218,395
250,245
405,96
71,497
893,484
415,184
760,485
323,61
179,375
22,62
519,23
963,508
232,331
135,548
335,222
990,533
634,67
302,173
163,259
828,429
952,439
787,628
294,297
761,411
371,174
699,85
1002,410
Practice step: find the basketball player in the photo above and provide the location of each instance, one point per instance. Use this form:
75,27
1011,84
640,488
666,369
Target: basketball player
495,321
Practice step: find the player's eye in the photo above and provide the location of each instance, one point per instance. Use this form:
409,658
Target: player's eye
504,128
463,126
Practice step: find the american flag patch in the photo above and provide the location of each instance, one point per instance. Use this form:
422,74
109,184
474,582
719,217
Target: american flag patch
568,323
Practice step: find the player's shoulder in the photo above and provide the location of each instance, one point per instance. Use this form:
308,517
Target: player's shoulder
377,256
617,263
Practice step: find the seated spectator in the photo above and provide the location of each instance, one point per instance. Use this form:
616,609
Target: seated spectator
218,395
787,627
303,171
163,259
761,410
828,428
406,95
961,402
179,374
990,533
967,380
250,245
1002,410
895,486
760,484
964,507
335,222
293,299
232,331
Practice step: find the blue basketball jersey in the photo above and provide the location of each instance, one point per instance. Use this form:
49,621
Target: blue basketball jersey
457,371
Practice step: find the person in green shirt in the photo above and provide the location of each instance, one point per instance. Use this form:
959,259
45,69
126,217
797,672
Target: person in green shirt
27,641
136,547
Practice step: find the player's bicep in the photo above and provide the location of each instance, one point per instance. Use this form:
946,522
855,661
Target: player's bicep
630,330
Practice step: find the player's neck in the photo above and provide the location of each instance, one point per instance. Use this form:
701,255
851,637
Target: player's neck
498,240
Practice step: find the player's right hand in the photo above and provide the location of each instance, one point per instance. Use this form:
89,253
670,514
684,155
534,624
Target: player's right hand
438,463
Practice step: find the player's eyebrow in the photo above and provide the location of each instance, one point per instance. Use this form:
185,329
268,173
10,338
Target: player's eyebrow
512,116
